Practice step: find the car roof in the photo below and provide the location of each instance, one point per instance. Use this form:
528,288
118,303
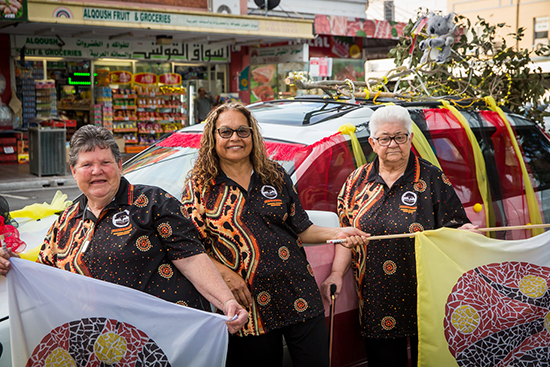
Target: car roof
303,131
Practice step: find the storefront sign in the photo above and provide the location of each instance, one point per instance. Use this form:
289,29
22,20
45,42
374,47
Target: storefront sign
280,54
357,27
197,21
13,10
170,79
131,49
145,78
120,77
320,66
244,79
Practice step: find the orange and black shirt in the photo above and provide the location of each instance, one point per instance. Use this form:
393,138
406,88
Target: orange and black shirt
132,243
254,232
385,271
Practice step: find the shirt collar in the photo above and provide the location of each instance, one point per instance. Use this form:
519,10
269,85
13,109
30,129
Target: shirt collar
123,197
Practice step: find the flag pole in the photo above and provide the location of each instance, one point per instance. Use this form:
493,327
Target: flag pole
406,235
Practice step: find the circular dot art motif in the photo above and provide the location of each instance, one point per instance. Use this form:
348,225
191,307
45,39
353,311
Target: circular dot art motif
165,230
97,341
415,227
388,323
420,186
284,253
141,201
499,315
310,270
263,298
300,305
165,271
446,179
143,243
389,267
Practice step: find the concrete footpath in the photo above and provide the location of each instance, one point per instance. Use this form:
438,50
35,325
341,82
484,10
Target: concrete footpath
18,177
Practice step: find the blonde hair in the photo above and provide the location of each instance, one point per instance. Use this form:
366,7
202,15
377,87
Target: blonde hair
207,165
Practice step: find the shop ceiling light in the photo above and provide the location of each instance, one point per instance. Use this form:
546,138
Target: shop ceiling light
121,35
164,40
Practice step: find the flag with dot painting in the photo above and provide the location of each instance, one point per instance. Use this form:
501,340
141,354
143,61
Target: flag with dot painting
58,318
482,302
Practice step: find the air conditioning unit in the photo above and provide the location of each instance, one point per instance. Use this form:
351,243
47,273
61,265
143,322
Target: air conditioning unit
226,6
47,151
540,43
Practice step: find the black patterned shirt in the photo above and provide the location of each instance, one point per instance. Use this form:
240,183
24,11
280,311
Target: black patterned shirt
255,233
385,271
132,243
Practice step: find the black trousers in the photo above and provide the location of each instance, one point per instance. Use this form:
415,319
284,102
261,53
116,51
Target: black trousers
392,352
307,344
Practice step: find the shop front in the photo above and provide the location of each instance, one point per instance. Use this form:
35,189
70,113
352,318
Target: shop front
134,70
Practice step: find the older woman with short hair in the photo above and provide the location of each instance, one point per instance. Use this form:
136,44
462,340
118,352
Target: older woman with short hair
397,193
248,213
131,235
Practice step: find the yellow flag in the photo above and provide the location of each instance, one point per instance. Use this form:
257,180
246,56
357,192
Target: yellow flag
482,301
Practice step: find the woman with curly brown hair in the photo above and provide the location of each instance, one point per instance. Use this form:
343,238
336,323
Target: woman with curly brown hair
253,225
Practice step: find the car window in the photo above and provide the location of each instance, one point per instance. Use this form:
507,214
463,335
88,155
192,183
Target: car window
299,113
321,170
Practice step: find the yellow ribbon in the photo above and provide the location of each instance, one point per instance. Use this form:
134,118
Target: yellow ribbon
532,203
39,211
481,171
349,129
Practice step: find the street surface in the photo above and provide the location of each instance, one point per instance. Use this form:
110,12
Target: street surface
18,199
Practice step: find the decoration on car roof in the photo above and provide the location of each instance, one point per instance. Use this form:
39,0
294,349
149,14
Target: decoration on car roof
440,31
447,57
275,150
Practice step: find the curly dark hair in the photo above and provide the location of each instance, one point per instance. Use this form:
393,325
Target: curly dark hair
207,165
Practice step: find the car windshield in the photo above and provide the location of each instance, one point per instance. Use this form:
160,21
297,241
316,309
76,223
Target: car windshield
299,113
167,167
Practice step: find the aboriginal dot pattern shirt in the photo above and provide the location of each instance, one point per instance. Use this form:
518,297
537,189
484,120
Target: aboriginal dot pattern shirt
385,271
132,243
254,232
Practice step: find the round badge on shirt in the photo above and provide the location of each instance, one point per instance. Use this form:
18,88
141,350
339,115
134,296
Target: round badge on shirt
409,198
269,191
121,219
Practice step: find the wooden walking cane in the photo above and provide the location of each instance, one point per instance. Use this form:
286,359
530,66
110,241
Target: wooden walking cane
331,321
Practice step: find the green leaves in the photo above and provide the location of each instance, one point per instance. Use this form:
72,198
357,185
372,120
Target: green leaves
480,65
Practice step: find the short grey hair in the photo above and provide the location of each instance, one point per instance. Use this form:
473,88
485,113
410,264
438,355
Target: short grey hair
391,114
89,137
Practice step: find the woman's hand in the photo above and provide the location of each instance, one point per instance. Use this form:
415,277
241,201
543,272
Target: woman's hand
5,264
238,286
470,227
354,237
231,309
334,278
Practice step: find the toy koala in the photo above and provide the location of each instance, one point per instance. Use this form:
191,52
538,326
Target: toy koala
441,32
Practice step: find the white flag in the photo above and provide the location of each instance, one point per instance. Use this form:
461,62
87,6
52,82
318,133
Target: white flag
58,318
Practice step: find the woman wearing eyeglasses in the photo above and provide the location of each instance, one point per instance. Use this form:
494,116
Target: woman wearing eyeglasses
253,225
397,193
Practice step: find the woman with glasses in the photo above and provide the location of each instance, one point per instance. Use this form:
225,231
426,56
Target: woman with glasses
253,225
397,193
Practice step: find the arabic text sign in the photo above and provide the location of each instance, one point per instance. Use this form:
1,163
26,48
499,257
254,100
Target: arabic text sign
97,49
280,54
130,16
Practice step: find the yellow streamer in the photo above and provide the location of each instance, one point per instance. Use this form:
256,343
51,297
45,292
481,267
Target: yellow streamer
532,203
39,211
423,147
349,129
481,171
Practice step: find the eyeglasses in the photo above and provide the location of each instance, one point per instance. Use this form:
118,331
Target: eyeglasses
242,132
385,141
